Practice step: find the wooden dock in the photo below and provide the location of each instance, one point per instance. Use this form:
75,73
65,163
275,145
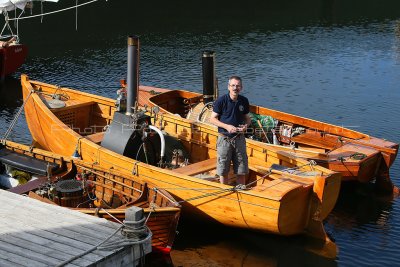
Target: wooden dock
33,233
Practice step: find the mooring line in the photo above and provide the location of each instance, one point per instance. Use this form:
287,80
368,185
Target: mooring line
14,121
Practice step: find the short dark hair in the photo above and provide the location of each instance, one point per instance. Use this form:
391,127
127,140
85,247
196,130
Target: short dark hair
234,77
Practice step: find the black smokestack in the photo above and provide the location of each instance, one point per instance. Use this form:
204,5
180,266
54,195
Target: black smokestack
133,73
208,76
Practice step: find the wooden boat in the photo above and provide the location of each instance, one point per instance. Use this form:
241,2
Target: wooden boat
359,157
90,189
12,56
12,52
284,195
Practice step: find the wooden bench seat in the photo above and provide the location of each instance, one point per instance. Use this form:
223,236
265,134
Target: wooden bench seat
96,137
198,167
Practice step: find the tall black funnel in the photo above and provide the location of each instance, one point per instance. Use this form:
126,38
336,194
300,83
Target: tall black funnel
209,84
133,73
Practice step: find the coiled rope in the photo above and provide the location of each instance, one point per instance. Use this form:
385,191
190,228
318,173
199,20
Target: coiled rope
358,156
130,232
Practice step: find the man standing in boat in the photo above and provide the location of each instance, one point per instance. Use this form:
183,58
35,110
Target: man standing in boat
231,115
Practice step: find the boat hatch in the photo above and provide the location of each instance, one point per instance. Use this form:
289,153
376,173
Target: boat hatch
26,163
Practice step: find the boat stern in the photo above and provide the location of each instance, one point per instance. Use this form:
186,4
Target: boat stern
12,57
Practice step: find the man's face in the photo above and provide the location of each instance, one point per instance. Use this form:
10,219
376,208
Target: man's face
234,87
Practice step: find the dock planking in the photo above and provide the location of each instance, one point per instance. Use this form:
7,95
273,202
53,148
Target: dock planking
33,233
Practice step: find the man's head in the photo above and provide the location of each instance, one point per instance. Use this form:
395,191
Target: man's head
234,86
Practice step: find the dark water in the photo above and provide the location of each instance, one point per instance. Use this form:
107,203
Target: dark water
335,61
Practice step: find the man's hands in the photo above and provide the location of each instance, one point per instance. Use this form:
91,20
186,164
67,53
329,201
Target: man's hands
240,129
231,129
214,119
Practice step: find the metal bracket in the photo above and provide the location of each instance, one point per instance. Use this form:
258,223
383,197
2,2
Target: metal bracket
135,168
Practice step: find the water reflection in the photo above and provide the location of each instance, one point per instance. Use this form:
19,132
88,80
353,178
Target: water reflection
364,221
10,95
359,205
203,244
10,103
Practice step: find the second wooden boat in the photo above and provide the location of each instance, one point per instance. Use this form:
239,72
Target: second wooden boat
359,157
93,190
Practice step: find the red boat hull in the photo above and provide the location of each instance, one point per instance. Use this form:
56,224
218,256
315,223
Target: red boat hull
11,58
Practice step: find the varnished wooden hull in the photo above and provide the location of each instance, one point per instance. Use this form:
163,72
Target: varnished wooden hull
340,143
160,209
286,205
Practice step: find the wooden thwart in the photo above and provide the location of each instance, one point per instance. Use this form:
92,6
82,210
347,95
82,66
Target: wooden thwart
96,137
25,188
198,167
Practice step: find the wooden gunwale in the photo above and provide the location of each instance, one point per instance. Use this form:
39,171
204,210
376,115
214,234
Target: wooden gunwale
122,211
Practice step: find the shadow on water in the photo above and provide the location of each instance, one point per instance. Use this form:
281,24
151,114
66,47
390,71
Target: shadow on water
205,244
359,205
10,95
364,225
10,103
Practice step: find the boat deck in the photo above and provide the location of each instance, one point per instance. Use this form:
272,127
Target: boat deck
146,92
34,233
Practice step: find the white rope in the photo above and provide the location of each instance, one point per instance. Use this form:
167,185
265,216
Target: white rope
17,23
53,12
91,249
7,25
41,10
